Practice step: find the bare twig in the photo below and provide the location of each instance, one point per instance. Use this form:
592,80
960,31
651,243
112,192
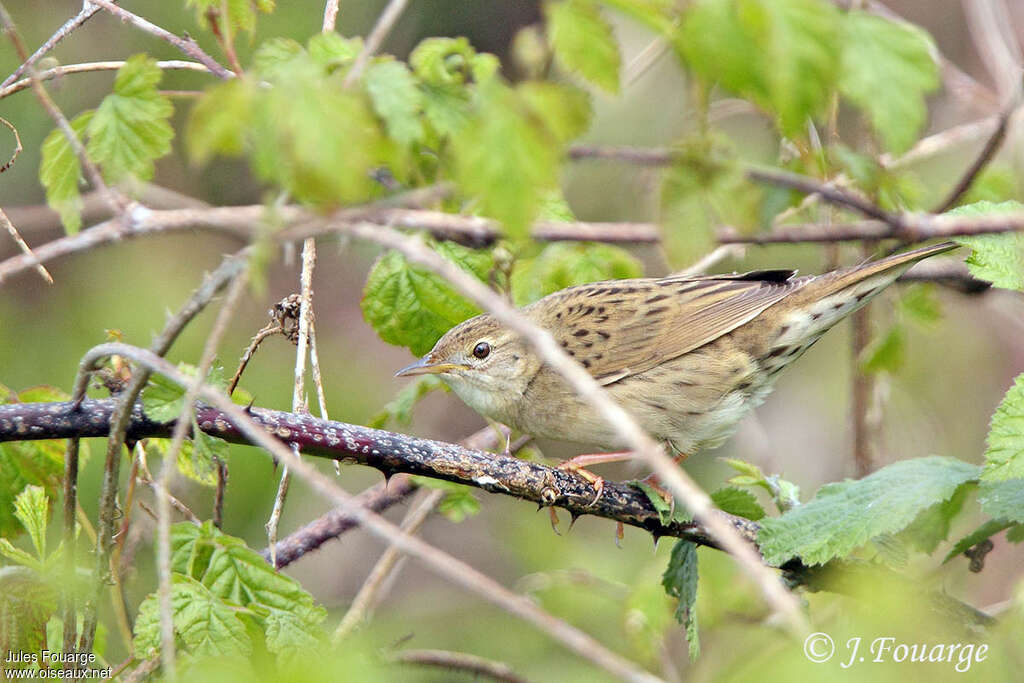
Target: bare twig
986,155
381,29
25,249
88,167
828,191
459,661
88,9
445,565
86,67
365,598
187,45
677,481
862,387
330,15
649,156
163,505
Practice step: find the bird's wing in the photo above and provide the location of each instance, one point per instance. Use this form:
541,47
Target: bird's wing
624,327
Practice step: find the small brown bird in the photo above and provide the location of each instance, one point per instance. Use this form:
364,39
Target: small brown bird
688,357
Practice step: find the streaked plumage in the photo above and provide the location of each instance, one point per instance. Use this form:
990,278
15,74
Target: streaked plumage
687,356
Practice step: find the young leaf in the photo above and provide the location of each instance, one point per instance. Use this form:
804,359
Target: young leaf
565,110
505,159
219,121
738,502
443,61
1004,455
564,264
60,172
666,510
162,399
130,128
886,70
410,306
331,51
32,508
396,99
997,258
680,581
1003,500
26,603
845,515
204,624
400,407
781,54
886,353
241,14
583,42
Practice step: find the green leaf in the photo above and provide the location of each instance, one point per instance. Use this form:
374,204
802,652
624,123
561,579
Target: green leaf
919,303
932,526
26,603
1003,500
396,99
219,121
887,69
131,129
19,556
410,306
331,51
845,515
1004,455
996,183
276,57
665,509
781,54
204,624
241,14
886,353
505,159
400,407
997,258
162,399
443,61
565,110
989,528
583,42
564,264
738,502
680,581
32,508
60,172
785,494
446,107
459,504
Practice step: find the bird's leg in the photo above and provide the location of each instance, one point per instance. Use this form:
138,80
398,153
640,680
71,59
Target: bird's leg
654,481
579,463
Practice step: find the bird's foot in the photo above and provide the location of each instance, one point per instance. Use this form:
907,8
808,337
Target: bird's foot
579,464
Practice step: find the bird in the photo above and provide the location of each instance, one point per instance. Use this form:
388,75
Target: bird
687,356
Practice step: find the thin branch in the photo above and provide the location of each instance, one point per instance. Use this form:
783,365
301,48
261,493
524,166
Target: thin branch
330,16
88,167
117,432
861,387
458,661
925,148
88,9
87,67
365,598
827,191
678,482
25,249
381,29
988,152
916,227
182,427
641,156
187,45
444,564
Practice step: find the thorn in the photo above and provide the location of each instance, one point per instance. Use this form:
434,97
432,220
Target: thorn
656,538
540,506
387,475
573,516
554,521
620,533
248,407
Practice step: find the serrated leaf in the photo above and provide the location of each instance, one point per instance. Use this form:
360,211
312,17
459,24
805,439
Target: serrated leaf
886,353
680,581
274,57
997,258
204,624
60,172
1004,453
26,604
738,502
781,54
200,462
446,107
410,306
665,509
297,632
565,110
932,526
241,14
583,42
331,51
887,69
564,264
505,159
1003,499
845,515
989,528
162,399
19,556
219,121
443,61
130,129
397,99
32,508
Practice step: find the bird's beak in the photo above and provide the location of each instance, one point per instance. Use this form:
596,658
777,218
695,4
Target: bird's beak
426,366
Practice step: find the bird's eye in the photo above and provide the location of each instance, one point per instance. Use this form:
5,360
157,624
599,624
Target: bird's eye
481,350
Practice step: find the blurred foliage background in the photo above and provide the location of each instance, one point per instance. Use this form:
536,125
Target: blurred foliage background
938,402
